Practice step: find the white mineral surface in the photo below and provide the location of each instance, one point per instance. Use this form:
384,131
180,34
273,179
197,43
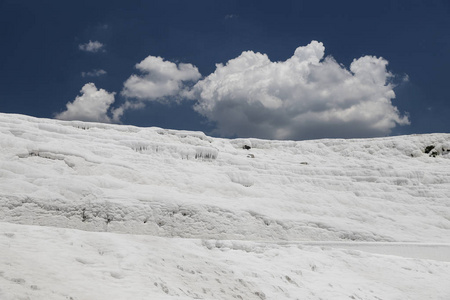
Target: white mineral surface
101,211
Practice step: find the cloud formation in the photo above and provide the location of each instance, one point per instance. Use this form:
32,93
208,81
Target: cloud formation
91,106
93,47
160,79
117,113
93,73
306,96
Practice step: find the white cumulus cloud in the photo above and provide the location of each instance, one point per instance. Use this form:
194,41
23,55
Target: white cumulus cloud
306,96
91,106
160,79
92,46
93,73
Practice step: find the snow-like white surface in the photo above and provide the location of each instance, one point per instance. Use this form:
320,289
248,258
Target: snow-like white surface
148,213
55,263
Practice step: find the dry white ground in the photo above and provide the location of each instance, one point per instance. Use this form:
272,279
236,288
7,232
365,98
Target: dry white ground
98,211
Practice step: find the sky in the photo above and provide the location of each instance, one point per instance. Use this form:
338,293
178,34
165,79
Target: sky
267,69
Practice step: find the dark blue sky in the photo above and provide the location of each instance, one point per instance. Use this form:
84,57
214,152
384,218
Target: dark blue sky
41,63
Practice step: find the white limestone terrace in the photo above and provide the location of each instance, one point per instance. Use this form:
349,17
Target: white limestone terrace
222,218
172,183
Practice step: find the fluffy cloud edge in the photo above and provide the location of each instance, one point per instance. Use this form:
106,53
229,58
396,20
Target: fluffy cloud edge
159,79
91,106
306,96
